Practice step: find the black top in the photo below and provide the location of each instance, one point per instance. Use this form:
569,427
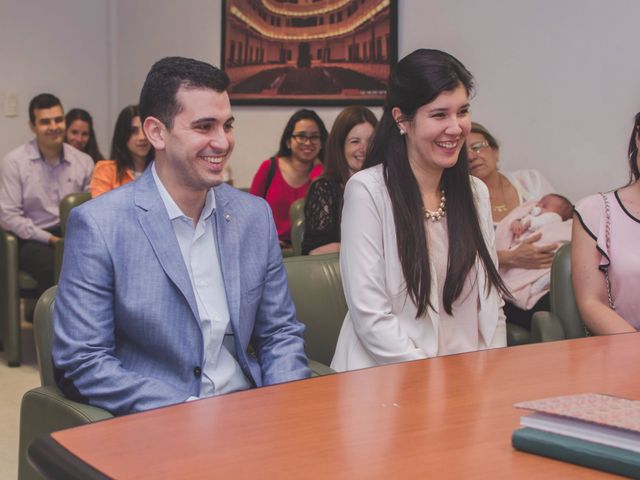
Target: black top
322,214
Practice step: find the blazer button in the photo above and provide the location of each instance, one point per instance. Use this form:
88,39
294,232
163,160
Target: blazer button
197,372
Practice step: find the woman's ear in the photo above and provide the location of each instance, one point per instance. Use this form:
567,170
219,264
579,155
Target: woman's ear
155,131
398,117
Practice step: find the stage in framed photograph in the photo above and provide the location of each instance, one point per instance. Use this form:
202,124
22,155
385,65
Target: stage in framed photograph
309,52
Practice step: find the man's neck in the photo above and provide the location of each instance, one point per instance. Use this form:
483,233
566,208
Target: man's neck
51,155
191,202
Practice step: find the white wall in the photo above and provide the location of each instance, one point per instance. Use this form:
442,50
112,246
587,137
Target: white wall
60,47
557,81
151,29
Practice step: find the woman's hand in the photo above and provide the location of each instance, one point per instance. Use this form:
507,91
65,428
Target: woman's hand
527,255
324,249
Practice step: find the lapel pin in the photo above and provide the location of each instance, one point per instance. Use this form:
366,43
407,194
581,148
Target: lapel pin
227,217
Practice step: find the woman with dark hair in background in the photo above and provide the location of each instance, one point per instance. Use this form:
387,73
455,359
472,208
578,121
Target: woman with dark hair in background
285,177
417,257
345,154
80,133
130,150
605,259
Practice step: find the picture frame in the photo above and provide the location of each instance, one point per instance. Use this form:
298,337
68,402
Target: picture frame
308,52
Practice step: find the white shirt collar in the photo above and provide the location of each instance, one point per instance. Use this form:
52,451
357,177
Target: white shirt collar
172,207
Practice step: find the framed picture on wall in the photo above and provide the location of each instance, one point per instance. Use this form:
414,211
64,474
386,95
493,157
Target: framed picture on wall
308,52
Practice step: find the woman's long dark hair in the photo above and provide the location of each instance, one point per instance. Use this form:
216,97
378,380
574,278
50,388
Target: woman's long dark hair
91,148
634,174
415,81
121,134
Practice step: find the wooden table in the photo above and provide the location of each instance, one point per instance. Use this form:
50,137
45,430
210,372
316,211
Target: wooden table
447,417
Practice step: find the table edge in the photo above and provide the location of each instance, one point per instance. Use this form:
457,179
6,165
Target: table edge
55,462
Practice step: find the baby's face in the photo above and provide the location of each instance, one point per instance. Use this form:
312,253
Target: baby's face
549,204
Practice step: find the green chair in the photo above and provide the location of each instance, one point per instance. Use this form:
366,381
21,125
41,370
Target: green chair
316,289
563,321
66,205
296,212
13,282
517,335
45,409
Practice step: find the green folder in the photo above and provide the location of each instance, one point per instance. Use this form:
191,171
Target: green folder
581,452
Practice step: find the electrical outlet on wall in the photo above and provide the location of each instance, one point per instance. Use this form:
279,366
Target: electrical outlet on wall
11,105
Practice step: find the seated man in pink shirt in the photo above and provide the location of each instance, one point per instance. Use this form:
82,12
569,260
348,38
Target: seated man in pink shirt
33,179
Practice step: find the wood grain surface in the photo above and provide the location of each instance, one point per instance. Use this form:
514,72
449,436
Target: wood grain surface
447,417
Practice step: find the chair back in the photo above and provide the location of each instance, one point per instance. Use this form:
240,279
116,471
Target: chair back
316,289
296,212
42,332
67,203
563,300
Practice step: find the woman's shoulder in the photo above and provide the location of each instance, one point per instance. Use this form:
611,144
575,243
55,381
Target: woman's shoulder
371,177
105,167
316,171
266,164
591,203
105,164
323,186
368,182
590,212
325,182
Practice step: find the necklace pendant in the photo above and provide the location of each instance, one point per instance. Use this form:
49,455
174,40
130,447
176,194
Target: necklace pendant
500,208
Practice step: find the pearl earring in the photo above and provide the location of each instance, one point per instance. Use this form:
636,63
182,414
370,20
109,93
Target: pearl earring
402,132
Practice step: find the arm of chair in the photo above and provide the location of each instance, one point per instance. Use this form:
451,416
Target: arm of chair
546,327
319,369
10,297
516,335
46,410
58,250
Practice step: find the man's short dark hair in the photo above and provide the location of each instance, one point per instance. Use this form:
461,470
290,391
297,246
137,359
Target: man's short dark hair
158,95
44,100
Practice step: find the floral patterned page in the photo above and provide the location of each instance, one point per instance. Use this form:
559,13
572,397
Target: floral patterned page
591,407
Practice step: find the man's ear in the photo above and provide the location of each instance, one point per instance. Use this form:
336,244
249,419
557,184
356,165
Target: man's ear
155,131
32,127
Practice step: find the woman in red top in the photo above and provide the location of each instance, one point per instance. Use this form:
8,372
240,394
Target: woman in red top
285,177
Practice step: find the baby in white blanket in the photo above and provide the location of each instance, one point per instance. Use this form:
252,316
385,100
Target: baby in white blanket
550,208
551,216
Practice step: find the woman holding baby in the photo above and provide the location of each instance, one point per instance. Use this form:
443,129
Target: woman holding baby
508,191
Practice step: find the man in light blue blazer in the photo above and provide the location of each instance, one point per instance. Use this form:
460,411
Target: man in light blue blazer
172,286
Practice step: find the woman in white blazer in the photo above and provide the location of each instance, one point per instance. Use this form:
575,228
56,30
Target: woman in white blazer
418,258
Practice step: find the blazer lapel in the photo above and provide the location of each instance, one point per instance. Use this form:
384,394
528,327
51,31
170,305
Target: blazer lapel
156,225
228,241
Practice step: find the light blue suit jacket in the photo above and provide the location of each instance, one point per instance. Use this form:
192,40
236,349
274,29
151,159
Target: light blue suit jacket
126,331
